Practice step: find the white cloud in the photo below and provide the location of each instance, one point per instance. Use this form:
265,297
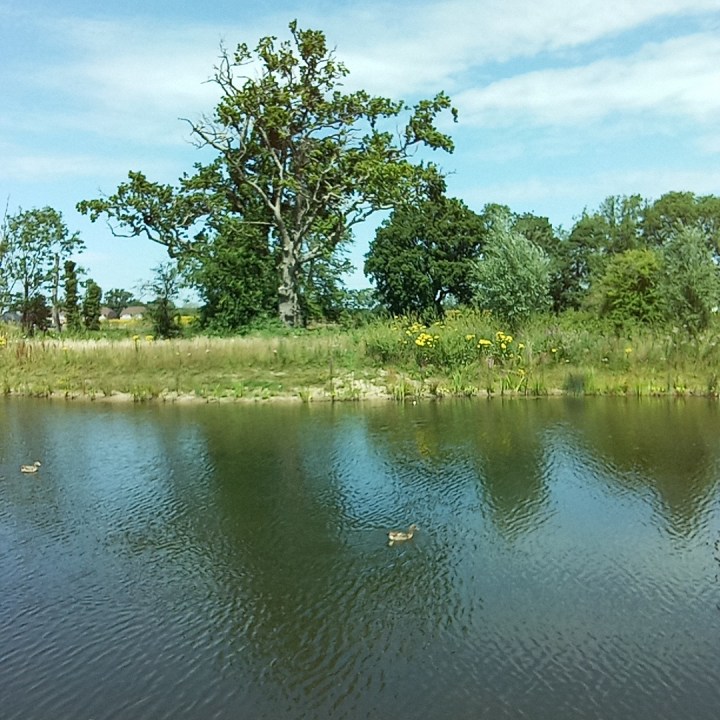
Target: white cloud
679,77
393,50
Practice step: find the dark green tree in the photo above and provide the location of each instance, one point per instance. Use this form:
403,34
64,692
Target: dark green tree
91,305
622,216
317,160
117,299
235,277
71,304
677,210
36,314
164,287
424,253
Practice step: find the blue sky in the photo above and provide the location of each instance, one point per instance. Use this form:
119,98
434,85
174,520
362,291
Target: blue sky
560,104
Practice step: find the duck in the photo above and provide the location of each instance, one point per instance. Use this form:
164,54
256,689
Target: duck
395,536
31,468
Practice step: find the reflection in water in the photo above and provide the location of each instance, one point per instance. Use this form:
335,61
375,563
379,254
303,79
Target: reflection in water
231,561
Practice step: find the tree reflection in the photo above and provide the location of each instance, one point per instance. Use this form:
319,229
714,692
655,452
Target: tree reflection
667,447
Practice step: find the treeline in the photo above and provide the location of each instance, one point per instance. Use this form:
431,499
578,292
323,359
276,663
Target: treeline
261,231
632,259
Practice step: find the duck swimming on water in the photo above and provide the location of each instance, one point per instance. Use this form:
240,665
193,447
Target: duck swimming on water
30,468
395,536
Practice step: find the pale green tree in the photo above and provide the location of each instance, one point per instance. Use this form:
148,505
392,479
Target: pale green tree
690,283
513,276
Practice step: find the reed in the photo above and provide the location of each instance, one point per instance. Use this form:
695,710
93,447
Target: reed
465,354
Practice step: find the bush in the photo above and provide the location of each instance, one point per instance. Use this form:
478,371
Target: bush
513,279
690,282
631,288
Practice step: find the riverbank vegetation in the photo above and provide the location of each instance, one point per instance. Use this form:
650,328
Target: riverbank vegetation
466,354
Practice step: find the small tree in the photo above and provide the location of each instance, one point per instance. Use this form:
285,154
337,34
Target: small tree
72,298
35,241
513,279
690,282
117,299
36,314
631,288
91,306
165,287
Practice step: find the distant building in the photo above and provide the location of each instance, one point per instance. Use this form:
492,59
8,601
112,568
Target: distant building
134,312
107,313
11,316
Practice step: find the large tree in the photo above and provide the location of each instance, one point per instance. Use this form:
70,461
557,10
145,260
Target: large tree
424,253
35,243
677,210
317,160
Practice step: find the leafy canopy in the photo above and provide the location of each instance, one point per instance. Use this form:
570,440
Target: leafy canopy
424,253
34,243
295,155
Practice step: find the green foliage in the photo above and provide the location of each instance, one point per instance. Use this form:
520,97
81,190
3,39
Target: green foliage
295,154
118,299
91,306
513,277
72,298
631,288
33,244
323,294
676,210
424,253
690,283
235,277
35,314
164,286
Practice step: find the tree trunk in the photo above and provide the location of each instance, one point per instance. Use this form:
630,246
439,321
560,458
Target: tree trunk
288,296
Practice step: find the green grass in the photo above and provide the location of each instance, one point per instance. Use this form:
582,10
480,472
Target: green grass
468,354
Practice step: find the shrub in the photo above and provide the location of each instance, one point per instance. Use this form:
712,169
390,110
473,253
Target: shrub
513,279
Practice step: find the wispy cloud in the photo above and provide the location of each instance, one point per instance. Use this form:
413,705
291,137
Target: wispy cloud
676,77
442,44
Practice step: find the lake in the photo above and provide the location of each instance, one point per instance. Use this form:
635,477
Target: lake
231,561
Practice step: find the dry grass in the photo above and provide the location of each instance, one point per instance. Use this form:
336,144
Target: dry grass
468,354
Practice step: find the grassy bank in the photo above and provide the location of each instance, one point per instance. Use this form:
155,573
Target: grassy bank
468,354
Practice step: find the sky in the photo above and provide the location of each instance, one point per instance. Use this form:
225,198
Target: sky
559,104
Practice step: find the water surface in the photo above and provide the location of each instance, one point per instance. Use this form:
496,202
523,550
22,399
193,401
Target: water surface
231,561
